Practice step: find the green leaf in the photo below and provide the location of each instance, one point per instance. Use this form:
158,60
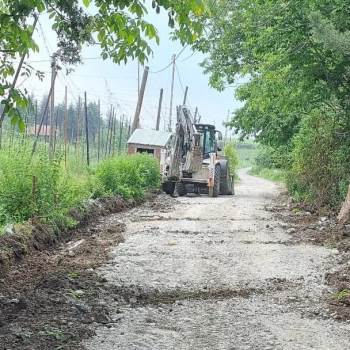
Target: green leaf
86,3
21,125
40,6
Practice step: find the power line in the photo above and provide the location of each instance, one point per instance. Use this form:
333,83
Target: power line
46,44
181,85
82,59
187,58
171,62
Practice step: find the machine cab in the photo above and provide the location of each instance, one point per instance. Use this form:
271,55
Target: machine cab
209,139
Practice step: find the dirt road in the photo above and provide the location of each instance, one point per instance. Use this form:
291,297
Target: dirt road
217,273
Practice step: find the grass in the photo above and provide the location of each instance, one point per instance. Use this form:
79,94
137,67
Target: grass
275,175
343,294
247,152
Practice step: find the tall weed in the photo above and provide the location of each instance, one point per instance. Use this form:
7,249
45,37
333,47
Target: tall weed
129,176
37,187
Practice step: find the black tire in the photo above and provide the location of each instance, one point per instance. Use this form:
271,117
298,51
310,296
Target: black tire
226,187
215,191
181,189
169,187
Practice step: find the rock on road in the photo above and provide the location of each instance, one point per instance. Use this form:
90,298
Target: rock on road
218,273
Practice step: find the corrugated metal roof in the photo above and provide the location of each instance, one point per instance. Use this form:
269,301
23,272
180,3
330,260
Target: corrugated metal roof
150,137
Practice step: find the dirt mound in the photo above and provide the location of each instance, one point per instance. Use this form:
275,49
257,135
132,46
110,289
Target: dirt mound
33,236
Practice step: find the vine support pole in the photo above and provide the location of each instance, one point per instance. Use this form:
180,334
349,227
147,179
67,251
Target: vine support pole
99,131
86,131
52,108
43,116
65,124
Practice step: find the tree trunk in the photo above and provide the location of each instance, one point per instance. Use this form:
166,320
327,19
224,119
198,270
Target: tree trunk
344,214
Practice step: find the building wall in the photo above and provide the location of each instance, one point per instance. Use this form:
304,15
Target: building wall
132,149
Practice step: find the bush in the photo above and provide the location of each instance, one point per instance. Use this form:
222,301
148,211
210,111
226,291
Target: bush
231,154
37,187
321,160
273,157
129,176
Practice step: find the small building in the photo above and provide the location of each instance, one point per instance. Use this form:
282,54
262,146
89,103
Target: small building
148,141
45,131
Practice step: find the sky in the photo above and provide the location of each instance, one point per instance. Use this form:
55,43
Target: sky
118,84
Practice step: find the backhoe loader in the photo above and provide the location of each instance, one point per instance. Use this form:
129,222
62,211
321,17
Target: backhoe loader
192,163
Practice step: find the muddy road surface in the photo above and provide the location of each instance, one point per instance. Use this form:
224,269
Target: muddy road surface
217,273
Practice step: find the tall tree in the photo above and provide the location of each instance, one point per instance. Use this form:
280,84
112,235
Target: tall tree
294,58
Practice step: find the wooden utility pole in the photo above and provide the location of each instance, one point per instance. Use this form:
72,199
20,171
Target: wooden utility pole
136,122
52,106
138,78
159,108
185,96
55,136
172,94
65,124
86,131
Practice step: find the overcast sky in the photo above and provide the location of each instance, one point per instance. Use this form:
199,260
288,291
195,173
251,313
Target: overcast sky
117,84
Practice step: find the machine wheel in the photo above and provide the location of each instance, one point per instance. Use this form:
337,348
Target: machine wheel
181,189
214,191
226,187
168,187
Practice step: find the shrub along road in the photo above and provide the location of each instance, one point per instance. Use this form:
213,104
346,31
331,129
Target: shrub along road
218,273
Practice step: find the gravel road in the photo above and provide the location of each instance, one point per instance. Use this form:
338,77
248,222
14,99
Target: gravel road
217,273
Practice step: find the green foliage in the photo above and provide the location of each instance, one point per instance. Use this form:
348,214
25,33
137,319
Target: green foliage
37,188
119,28
273,157
268,164
246,152
321,159
129,176
294,58
231,154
